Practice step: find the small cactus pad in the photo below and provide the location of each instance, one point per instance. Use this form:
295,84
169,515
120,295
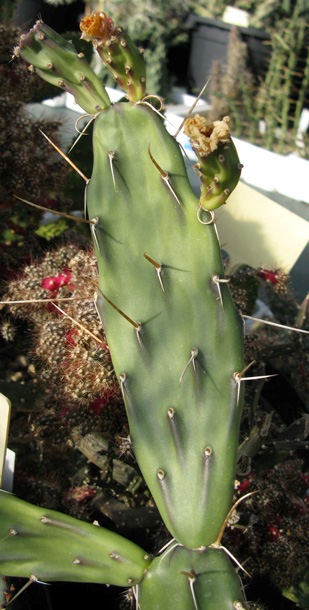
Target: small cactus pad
57,62
55,547
191,580
218,164
175,337
119,53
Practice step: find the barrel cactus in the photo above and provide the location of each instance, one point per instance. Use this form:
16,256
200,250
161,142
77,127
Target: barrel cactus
175,337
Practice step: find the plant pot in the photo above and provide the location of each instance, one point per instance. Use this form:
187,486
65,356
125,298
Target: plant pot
62,18
210,41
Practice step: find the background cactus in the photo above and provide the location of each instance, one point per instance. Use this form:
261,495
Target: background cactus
180,373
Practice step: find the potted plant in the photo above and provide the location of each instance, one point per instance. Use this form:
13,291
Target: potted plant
248,86
183,387
63,15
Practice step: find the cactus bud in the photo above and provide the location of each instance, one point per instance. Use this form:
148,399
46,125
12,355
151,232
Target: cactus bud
118,52
57,62
218,163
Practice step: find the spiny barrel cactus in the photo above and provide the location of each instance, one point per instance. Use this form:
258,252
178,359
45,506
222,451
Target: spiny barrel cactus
175,337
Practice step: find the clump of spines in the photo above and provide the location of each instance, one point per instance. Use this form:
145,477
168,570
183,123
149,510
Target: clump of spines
73,364
25,157
274,523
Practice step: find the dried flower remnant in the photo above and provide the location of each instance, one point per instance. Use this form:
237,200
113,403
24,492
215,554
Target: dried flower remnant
97,26
206,135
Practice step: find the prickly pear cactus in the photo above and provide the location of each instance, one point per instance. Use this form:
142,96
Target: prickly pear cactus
175,338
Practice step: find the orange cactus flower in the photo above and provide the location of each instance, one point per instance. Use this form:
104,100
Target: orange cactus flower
97,26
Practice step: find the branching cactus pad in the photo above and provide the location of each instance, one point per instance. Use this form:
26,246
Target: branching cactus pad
175,337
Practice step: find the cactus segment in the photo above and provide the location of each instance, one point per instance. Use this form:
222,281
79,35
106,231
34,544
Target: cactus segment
175,337
218,164
55,547
189,580
57,62
118,52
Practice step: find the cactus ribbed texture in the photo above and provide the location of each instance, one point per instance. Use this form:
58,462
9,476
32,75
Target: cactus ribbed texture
57,62
176,356
175,338
190,579
56,547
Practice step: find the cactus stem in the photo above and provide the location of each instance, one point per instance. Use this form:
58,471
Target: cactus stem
201,213
111,158
64,156
83,328
165,177
194,354
158,268
217,281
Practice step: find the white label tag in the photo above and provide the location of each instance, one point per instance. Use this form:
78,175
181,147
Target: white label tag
5,413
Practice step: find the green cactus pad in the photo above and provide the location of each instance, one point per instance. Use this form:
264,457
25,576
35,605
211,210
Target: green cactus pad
55,547
191,580
175,338
57,62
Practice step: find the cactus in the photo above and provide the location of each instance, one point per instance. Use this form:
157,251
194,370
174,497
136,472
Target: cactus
175,337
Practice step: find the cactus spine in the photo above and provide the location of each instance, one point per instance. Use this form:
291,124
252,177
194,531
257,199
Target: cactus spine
175,337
